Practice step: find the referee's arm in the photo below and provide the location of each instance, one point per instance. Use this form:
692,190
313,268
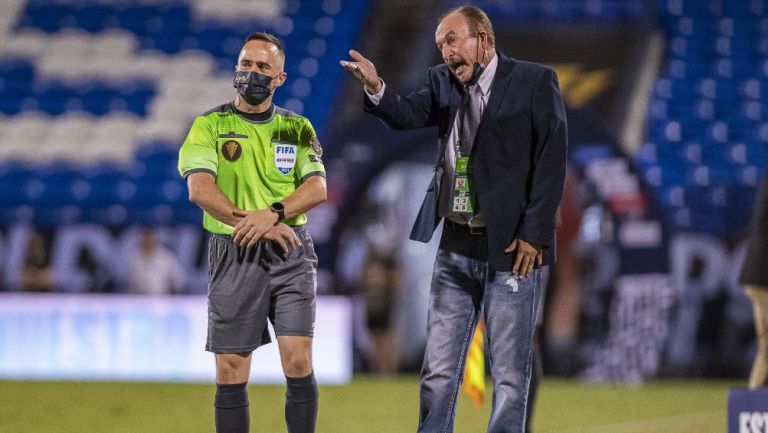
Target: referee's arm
309,194
256,223
204,193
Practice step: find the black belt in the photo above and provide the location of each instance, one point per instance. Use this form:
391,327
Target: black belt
465,240
465,228
477,230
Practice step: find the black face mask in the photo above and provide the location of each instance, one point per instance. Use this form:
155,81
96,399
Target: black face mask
252,86
477,70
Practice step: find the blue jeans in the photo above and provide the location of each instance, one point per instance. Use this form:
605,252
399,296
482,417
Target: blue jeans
462,288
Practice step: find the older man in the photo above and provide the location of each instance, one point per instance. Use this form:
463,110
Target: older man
498,182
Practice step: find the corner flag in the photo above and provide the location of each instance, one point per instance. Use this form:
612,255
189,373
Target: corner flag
474,370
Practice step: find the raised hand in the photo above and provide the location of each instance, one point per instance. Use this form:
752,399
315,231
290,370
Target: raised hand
364,70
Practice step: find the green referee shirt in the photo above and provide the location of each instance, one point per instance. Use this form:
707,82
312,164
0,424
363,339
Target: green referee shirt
255,163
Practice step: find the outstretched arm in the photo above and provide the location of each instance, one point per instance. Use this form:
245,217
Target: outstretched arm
364,70
413,111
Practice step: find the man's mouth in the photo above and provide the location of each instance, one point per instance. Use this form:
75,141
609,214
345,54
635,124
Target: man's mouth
458,67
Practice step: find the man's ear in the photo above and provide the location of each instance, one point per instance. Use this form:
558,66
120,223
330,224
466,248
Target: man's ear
280,79
482,40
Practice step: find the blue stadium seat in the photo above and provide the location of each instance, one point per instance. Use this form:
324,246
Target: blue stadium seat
47,215
105,188
96,100
45,16
135,18
92,18
158,162
10,104
176,18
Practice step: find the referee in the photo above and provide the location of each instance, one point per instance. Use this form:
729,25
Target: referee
255,169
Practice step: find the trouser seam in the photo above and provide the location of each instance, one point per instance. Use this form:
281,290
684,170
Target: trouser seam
458,376
528,362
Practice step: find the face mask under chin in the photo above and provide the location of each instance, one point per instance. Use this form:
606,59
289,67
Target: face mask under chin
252,86
477,70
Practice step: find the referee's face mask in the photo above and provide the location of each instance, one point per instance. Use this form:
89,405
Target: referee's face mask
252,86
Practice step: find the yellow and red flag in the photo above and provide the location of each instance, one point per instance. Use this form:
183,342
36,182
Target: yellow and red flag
474,370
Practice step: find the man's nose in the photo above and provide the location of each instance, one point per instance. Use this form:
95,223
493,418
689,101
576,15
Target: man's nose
447,54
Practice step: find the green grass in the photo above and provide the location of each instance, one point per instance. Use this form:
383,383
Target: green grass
366,405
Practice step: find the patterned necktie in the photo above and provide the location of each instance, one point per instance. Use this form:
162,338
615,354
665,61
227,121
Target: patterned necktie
470,119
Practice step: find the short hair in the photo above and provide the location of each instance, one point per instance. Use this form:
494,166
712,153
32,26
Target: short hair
267,37
478,22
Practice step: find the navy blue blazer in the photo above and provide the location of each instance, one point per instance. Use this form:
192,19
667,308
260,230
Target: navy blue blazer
519,152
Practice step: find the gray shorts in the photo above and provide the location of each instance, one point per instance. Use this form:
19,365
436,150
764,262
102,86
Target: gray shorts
248,286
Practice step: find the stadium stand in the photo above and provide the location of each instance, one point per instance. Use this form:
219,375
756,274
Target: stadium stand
96,96
707,139
563,11
707,144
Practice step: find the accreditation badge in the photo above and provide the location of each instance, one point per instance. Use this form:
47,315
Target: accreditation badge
462,200
285,156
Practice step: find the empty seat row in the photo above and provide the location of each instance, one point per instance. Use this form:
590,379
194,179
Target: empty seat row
564,10
707,137
113,216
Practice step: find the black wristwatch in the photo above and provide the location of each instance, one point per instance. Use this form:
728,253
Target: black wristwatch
279,209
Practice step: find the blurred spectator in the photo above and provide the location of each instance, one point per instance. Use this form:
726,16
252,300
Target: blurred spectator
99,279
537,366
36,271
754,276
562,319
381,280
561,284
153,269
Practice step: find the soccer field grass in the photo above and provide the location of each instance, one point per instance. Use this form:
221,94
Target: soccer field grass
365,405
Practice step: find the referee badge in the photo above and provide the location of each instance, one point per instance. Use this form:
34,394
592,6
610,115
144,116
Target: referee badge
315,143
231,150
285,157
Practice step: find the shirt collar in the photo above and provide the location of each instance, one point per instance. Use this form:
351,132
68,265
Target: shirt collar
486,78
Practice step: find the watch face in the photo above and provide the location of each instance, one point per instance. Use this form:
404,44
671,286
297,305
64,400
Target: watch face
279,209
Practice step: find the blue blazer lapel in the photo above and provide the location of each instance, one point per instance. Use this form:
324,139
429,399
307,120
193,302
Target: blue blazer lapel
454,100
500,84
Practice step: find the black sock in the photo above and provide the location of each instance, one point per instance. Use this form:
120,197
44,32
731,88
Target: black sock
301,404
231,405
